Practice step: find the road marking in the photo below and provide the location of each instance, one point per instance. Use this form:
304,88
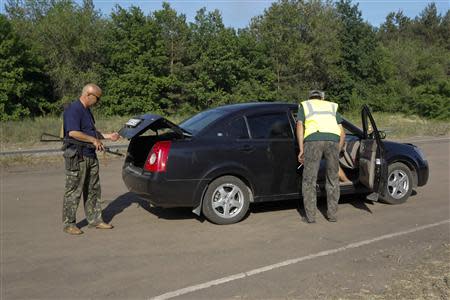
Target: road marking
288,262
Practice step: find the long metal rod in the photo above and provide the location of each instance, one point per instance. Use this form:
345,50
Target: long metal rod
45,151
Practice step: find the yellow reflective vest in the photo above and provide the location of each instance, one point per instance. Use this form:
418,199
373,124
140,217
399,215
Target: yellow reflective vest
320,116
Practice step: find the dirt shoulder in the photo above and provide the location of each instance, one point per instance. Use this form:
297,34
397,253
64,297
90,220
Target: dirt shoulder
427,278
430,279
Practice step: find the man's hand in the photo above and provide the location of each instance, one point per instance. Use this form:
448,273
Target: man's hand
98,145
299,131
83,137
301,157
114,136
111,136
341,138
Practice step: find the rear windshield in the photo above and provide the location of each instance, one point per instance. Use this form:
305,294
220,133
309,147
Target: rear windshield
201,120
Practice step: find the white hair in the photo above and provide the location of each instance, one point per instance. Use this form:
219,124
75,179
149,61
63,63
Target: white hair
90,88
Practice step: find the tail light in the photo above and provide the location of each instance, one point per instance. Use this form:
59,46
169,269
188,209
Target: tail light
158,156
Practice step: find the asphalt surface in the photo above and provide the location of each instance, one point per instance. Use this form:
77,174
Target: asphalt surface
169,252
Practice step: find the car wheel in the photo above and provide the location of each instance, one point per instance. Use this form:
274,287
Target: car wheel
226,200
399,184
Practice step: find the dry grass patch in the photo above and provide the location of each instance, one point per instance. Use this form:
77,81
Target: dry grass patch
429,279
400,126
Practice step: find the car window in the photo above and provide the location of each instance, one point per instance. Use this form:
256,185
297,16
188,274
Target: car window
294,115
234,129
237,129
201,120
350,129
270,126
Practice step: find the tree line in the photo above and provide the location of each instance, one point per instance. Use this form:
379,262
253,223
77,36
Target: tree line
162,63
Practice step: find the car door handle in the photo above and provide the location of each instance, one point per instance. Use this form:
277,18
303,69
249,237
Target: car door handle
246,148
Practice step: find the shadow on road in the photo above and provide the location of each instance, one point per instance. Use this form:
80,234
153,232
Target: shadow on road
357,201
122,202
175,213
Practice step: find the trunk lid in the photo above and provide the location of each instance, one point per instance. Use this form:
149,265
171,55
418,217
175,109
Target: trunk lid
139,124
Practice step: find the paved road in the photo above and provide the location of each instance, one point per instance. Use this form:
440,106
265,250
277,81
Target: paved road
154,252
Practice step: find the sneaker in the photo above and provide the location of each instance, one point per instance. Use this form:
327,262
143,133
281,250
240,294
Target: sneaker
102,225
72,230
332,219
306,220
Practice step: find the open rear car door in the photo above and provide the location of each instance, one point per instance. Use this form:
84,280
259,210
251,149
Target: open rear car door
373,168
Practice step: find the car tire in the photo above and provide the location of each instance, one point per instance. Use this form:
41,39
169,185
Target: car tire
226,200
399,184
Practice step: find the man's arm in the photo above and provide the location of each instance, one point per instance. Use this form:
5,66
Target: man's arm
300,134
113,136
341,137
78,135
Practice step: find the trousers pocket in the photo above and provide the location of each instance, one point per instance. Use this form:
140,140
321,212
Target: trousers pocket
72,161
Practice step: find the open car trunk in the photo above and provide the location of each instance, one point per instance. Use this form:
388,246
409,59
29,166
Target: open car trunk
140,147
144,132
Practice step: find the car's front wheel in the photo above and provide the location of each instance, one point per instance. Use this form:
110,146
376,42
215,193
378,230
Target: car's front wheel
226,200
399,184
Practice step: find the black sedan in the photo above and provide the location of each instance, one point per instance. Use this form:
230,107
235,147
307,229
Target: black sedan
221,160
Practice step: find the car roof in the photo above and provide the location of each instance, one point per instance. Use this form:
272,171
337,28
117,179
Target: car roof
255,105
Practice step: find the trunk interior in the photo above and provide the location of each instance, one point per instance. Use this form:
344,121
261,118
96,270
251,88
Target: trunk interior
140,147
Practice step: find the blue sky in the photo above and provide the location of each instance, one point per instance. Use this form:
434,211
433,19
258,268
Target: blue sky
238,14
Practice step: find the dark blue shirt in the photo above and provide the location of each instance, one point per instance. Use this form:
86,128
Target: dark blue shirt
79,118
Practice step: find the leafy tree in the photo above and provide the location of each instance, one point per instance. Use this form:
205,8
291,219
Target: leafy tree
135,63
396,26
69,37
301,42
256,82
174,33
427,24
445,31
215,67
360,56
160,63
22,82
419,57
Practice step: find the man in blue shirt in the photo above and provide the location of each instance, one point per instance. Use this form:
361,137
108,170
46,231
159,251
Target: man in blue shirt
81,163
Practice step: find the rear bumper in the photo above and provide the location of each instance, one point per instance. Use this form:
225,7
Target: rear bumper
159,191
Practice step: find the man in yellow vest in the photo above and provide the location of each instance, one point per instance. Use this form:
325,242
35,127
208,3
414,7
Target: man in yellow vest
319,133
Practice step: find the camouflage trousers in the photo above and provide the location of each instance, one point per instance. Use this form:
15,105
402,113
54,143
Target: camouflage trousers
313,152
82,179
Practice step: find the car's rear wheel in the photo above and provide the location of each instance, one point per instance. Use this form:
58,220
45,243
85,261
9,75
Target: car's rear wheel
399,184
226,200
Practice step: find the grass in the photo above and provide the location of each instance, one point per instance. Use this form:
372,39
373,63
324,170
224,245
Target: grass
31,161
16,135
26,133
398,126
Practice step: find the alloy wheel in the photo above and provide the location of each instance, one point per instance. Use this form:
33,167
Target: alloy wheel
227,200
398,184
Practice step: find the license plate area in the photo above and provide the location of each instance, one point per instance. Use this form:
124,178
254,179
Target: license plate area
132,123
